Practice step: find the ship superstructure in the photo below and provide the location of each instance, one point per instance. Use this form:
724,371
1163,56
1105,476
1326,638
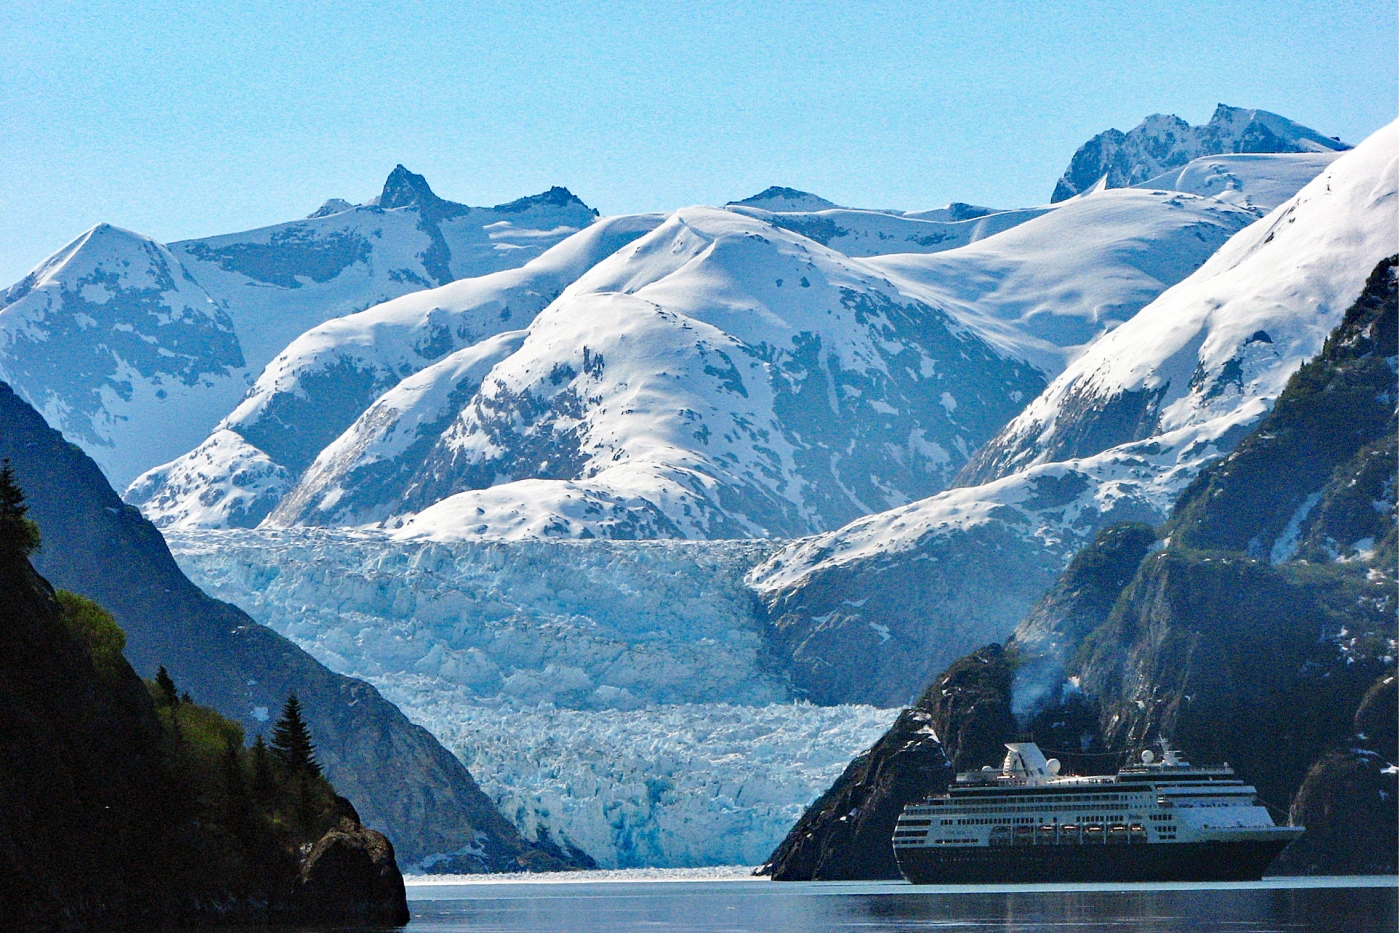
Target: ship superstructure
1159,820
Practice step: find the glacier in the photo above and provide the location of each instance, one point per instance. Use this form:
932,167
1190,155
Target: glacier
615,694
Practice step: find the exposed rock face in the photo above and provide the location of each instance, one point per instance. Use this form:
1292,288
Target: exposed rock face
1282,667
1347,800
846,834
1162,142
1172,389
1329,430
109,820
1238,661
401,778
349,876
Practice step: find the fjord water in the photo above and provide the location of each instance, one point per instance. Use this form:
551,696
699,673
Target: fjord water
1291,905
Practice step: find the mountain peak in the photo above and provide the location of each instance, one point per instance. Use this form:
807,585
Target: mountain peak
333,206
556,196
1262,131
1163,142
778,198
407,189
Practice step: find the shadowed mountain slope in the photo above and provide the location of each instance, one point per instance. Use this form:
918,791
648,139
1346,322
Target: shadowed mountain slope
397,774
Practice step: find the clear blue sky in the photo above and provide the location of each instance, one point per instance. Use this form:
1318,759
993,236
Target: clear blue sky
189,119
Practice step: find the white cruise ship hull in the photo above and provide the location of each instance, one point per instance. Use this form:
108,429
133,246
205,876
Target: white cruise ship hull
1235,860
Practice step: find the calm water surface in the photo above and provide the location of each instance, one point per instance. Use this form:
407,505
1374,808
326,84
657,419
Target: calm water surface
1353,905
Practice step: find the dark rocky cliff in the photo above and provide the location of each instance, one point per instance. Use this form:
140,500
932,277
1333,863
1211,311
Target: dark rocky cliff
1261,631
119,813
403,781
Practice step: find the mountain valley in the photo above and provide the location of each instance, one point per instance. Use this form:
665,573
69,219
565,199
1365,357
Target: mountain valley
630,537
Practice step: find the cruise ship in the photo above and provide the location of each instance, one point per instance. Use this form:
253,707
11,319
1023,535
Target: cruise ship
1159,820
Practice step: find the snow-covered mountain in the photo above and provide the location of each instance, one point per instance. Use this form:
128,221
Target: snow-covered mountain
1226,338
873,611
1163,142
280,281
719,377
360,476
876,233
1046,288
110,330
134,349
1036,293
644,444
325,379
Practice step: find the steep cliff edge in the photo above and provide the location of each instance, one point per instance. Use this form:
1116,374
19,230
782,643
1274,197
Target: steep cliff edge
401,779
125,807
1260,631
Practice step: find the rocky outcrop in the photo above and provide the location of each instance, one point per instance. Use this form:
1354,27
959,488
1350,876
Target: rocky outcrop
1263,633
1162,142
845,835
349,876
121,811
1348,798
403,781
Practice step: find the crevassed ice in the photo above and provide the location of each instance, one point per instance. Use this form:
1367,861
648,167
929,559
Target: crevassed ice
615,694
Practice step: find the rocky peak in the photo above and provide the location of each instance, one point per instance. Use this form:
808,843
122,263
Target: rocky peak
408,189
778,198
556,196
336,206
1162,142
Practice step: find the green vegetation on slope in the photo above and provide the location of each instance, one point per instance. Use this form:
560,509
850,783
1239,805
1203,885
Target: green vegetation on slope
123,804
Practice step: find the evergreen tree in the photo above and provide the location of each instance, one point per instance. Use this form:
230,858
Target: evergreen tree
166,683
19,535
291,740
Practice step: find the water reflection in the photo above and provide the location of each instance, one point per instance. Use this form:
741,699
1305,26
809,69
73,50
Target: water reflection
763,907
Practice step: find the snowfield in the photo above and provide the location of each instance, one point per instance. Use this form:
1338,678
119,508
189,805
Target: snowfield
1042,291
776,367
617,693
132,348
1116,436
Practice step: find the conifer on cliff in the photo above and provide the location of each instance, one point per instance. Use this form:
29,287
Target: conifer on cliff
19,535
291,740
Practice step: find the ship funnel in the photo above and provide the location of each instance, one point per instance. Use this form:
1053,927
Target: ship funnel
1025,760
